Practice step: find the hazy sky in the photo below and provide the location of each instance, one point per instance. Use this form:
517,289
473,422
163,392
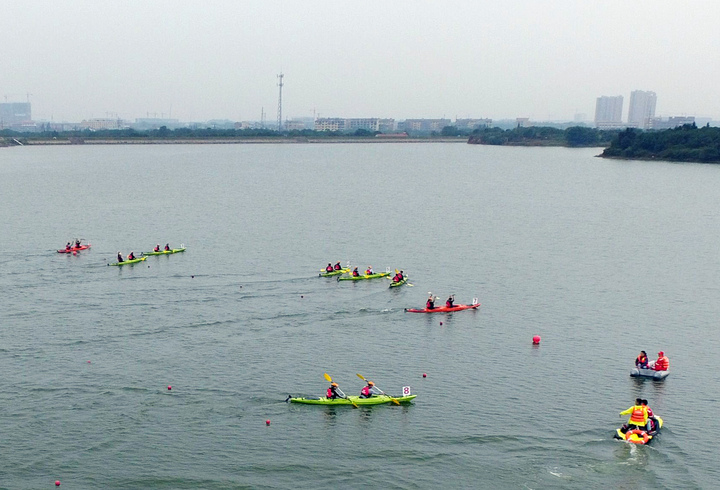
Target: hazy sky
215,59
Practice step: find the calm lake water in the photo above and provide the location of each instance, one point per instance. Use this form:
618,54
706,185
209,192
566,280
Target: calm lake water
601,258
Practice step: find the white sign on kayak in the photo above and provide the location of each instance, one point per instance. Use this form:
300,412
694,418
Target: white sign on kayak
406,391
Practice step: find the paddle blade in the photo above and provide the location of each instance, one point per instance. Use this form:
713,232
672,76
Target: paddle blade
396,402
360,376
327,377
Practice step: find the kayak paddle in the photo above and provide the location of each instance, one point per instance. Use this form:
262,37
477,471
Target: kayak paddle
391,398
327,377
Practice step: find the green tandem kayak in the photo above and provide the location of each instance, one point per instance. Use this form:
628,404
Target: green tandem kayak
334,273
166,252
133,261
361,277
374,400
399,283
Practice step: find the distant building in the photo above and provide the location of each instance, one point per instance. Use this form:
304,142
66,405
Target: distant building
15,114
294,125
670,122
642,108
472,123
387,125
329,124
522,122
424,125
146,123
608,112
99,123
351,125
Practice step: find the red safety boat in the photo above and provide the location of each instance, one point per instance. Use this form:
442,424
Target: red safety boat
443,309
73,249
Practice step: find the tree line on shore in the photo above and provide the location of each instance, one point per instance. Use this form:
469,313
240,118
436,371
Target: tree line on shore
686,143
576,136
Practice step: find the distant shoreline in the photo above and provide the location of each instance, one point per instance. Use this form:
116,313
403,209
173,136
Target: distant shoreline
230,141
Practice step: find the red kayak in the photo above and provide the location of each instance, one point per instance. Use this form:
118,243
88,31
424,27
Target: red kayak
443,309
73,249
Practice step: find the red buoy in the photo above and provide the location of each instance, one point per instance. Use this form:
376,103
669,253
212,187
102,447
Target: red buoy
536,340
57,483
424,375
267,422
169,387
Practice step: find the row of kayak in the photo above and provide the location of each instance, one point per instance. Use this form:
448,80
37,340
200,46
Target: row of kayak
362,277
395,284
146,254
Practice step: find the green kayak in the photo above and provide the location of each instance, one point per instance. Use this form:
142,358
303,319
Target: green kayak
361,277
399,283
133,261
334,273
374,400
166,252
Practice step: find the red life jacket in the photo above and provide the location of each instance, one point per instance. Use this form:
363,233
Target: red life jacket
157,248
356,273
430,304
337,267
637,416
448,304
365,391
167,248
662,364
328,268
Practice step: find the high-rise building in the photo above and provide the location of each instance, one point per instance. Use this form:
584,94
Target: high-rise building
14,114
642,108
608,111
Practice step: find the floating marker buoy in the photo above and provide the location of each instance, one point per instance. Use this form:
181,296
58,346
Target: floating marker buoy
88,362
440,323
267,422
169,387
536,340
302,296
57,483
192,277
424,375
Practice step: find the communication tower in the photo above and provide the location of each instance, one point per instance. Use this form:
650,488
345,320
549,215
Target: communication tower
279,119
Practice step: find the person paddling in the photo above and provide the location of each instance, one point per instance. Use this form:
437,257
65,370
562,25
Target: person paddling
369,271
398,277
68,246
167,247
450,301
335,392
329,268
369,390
131,256
355,272
120,259
157,248
77,243
430,303
337,267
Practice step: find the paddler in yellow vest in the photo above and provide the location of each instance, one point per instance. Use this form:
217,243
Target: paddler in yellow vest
638,415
